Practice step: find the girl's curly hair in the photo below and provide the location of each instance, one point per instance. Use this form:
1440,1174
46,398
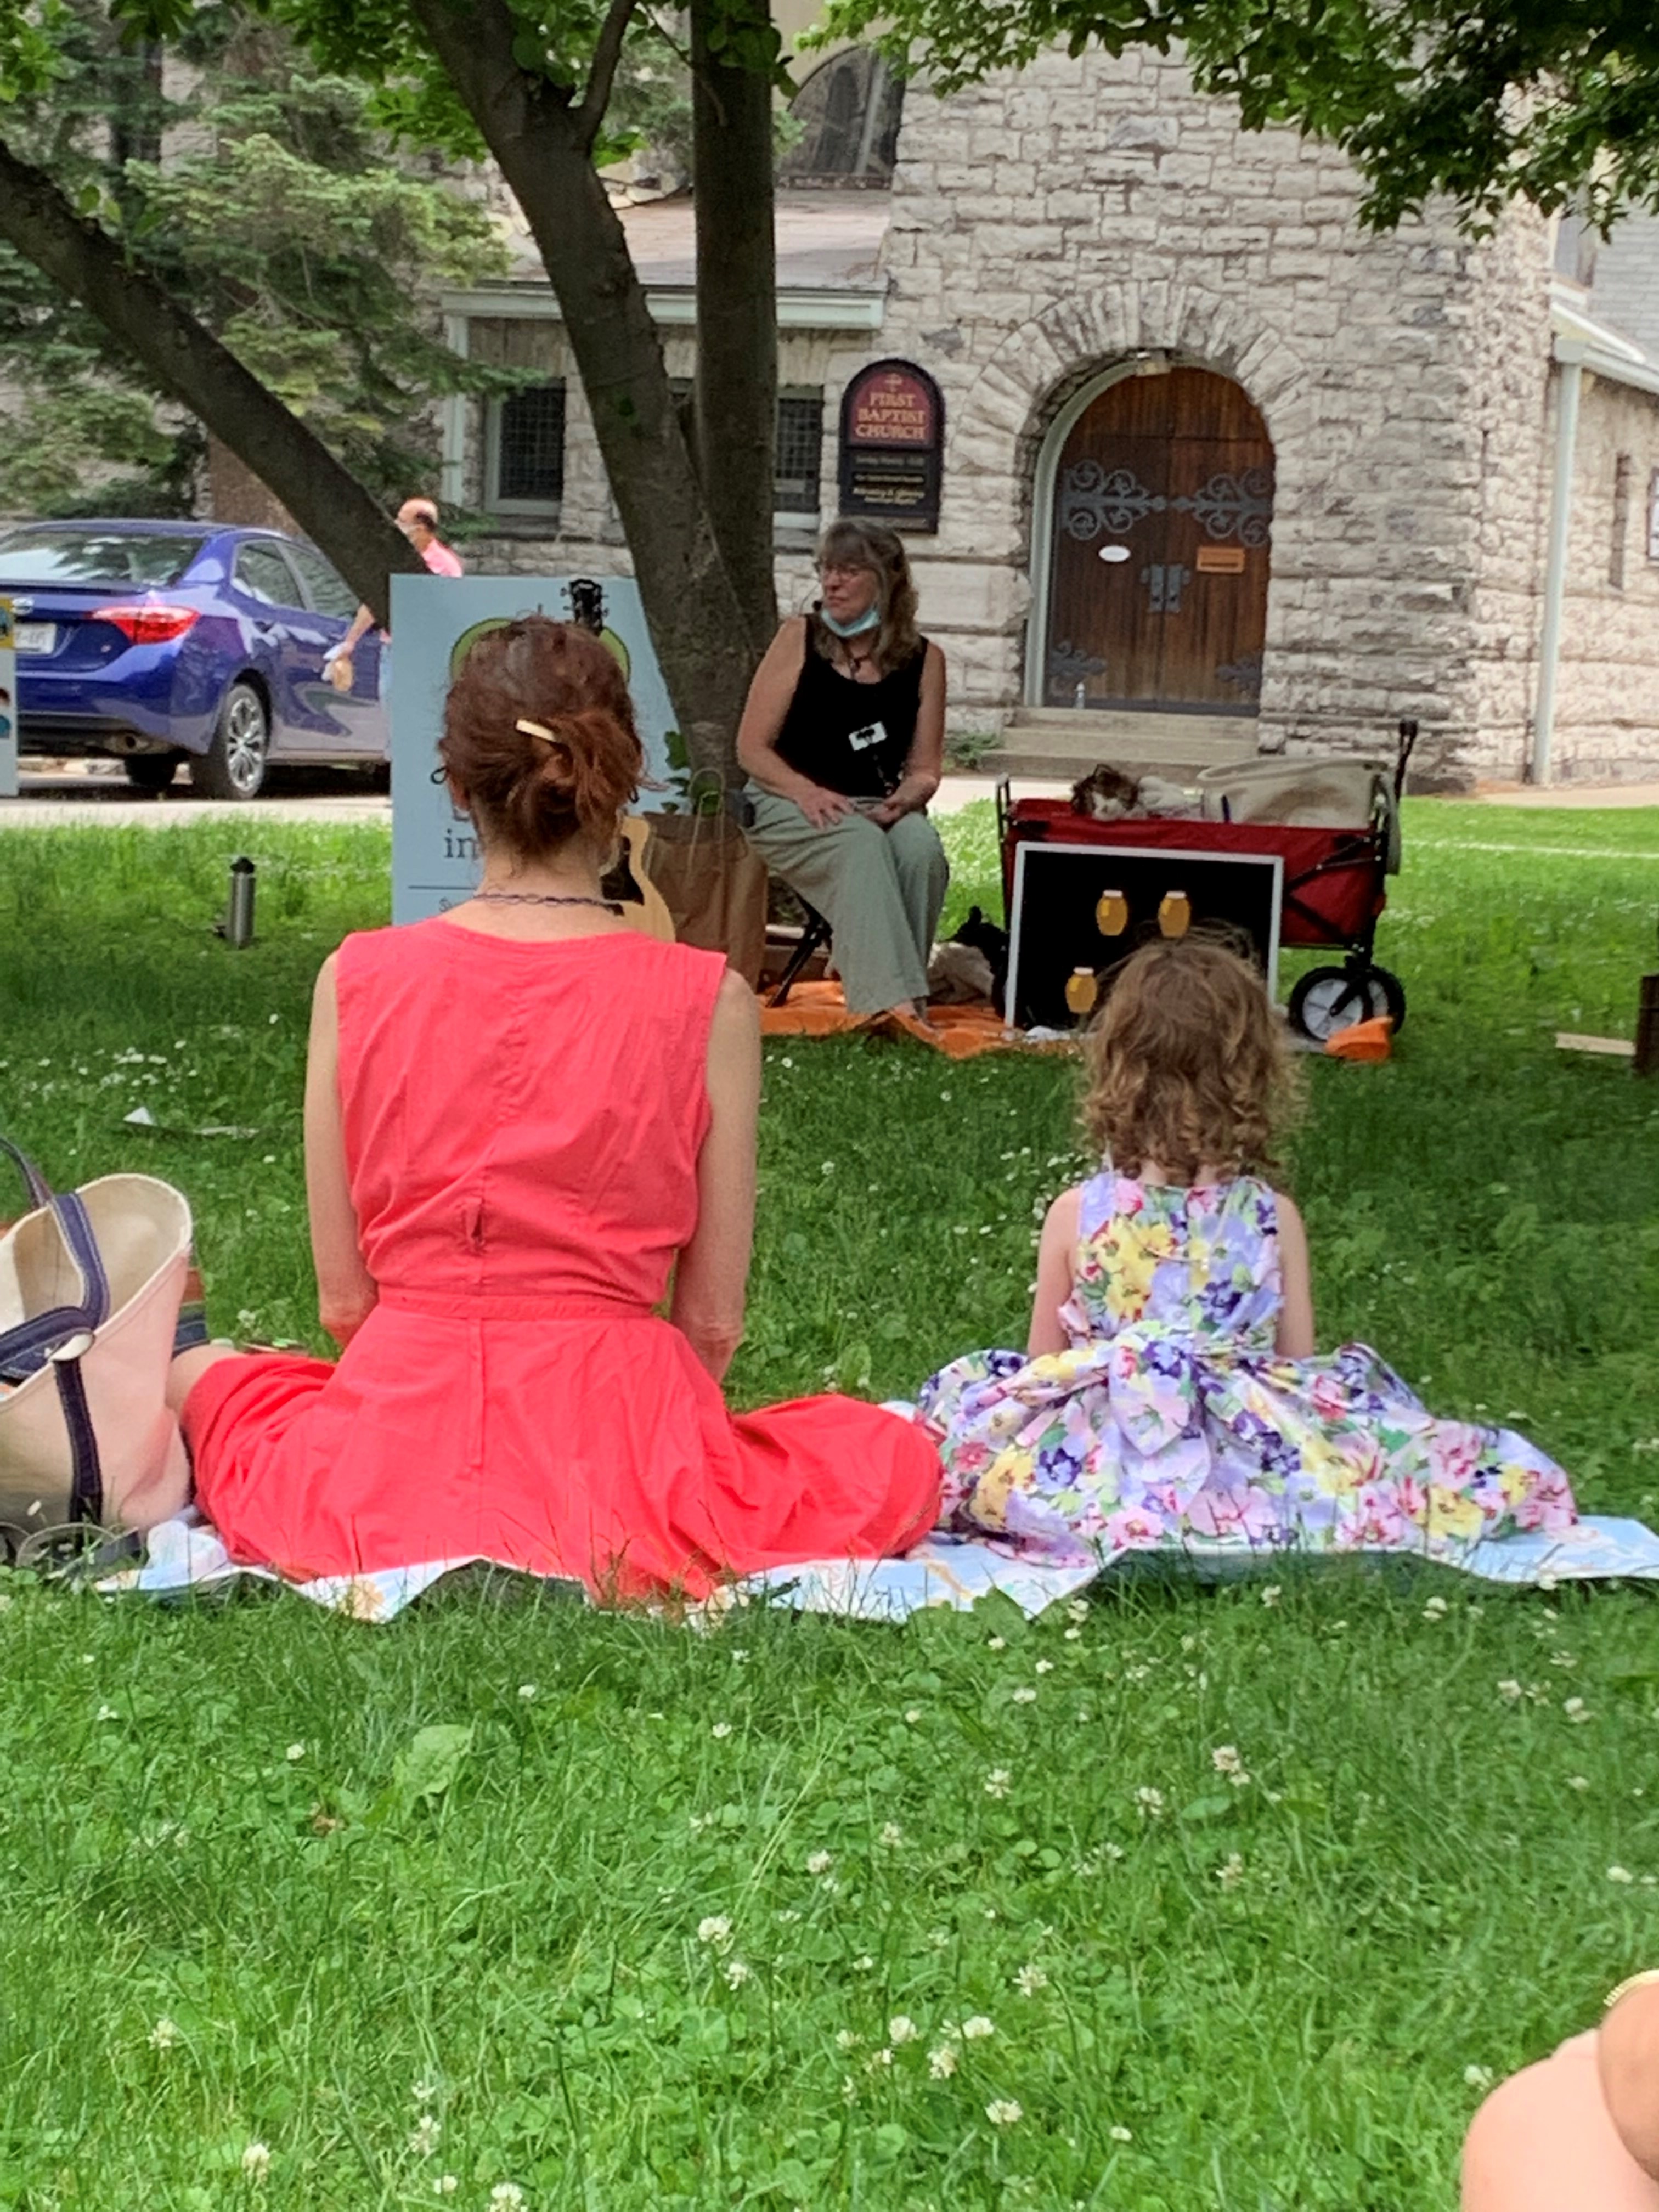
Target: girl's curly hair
1187,1065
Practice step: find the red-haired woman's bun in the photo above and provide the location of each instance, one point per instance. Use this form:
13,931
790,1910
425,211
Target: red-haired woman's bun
539,737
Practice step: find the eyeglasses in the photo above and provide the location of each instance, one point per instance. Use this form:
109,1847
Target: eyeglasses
827,568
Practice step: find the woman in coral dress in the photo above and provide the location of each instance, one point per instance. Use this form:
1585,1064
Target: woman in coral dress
523,1119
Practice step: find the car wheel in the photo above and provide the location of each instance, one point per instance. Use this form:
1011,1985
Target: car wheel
150,771
234,765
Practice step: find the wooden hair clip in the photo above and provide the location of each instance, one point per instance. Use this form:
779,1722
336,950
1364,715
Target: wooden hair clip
536,730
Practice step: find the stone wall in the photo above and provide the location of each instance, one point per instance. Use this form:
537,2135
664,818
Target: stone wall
1046,225
1606,715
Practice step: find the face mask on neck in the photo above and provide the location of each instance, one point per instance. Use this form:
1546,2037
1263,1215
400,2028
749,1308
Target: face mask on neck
870,619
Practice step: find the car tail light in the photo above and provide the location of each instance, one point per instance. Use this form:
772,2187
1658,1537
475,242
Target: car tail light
149,623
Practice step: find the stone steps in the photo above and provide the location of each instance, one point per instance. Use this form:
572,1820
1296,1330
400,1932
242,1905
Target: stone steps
1067,742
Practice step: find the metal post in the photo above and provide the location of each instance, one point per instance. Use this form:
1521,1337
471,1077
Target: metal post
239,913
1555,566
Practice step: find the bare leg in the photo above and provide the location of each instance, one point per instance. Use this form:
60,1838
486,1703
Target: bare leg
188,1366
1543,2141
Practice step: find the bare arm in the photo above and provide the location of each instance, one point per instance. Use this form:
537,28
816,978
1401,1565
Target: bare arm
711,1282
1296,1316
345,1289
764,713
1054,1284
925,763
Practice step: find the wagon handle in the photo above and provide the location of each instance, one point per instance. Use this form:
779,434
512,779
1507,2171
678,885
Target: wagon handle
1407,744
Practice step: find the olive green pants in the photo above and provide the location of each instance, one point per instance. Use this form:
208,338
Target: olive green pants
879,890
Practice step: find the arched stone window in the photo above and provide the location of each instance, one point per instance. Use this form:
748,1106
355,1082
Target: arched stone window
848,114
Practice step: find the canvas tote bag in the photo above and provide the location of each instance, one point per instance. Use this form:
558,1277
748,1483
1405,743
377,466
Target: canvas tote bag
91,1282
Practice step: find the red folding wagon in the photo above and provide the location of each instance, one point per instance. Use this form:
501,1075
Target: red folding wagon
1334,883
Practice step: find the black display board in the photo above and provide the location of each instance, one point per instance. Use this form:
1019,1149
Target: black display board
1056,926
892,439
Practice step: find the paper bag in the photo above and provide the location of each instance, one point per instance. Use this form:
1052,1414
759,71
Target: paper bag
714,883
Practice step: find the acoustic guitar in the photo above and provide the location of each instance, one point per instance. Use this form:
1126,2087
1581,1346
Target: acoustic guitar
643,904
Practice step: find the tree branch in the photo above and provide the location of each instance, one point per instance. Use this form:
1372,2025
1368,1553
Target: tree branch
603,73
189,362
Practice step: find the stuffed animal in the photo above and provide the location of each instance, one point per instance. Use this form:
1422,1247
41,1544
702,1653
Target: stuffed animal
1106,794
985,937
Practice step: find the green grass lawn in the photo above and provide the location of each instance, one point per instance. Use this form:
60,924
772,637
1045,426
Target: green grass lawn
687,1920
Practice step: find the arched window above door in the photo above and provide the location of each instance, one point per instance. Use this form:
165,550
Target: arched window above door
847,112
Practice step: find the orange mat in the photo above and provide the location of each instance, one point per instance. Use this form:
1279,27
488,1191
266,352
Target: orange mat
959,1032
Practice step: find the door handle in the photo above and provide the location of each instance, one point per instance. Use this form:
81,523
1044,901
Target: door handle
1163,580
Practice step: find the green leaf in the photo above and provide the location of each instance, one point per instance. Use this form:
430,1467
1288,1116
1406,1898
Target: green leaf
433,1758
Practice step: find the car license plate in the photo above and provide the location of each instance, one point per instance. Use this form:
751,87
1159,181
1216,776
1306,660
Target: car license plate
36,637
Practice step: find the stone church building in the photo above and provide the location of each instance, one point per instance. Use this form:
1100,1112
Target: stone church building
1216,468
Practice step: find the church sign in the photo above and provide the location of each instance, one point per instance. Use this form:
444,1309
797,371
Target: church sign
892,437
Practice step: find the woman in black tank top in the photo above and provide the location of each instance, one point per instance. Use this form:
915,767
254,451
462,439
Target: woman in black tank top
843,742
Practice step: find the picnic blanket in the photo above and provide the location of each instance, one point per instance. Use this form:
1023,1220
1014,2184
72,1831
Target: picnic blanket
960,1032
185,1555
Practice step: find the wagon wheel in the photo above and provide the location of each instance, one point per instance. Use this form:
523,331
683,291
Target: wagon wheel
1328,1000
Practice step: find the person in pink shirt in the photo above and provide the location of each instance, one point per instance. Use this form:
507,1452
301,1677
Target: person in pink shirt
417,519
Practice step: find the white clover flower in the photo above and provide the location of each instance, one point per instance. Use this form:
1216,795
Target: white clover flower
901,2028
1077,1607
256,2161
1271,1595
1547,1580
424,2136
847,2038
720,1730
296,1752
864,1964
1024,1696
820,1862
1004,2111
849,2088
1231,1873
1029,1979
716,1928
1510,1691
108,1713
1577,1711
977,2028
1435,1609
941,2062
1150,1802
1073,1635
1619,1874
164,2035
1044,1667
997,1782
878,2058
997,1643
912,1715
528,1691
424,2093
507,2196
1225,1760
1121,2133
1478,2077
1578,1782
891,1835
445,2184
736,1973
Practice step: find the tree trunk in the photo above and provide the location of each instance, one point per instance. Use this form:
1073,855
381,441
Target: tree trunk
704,643
735,403
188,361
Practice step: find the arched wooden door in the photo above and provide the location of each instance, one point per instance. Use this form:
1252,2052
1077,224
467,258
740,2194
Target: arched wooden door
1157,575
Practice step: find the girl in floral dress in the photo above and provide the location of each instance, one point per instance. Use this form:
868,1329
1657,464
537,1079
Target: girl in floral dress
1170,1389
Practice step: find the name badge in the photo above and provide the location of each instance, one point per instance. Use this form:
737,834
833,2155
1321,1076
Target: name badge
873,733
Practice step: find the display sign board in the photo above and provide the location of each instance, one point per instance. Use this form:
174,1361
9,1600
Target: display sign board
1653,516
9,716
1079,911
435,619
892,439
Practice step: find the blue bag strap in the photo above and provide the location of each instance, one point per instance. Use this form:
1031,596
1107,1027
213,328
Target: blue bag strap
86,1474
40,1189
23,1349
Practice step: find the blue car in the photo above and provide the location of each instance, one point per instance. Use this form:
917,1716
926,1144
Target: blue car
157,642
